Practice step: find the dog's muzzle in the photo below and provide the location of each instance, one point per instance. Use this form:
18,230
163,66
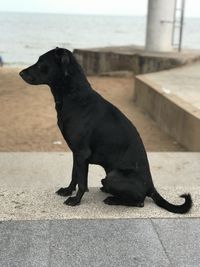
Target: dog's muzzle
26,77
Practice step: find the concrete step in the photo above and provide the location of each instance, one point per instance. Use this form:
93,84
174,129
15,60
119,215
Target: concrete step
172,99
95,243
29,180
37,229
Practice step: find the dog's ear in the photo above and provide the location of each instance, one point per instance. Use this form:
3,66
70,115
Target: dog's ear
64,59
65,64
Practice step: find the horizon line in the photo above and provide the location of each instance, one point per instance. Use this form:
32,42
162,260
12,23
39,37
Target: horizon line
82,14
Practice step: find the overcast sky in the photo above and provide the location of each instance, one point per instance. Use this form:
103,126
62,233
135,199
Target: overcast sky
109,7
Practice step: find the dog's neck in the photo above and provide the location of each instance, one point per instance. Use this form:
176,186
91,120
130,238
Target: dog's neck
70,86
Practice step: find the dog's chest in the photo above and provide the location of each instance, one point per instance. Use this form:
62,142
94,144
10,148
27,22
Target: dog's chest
60,123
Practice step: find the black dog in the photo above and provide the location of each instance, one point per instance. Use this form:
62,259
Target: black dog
97,133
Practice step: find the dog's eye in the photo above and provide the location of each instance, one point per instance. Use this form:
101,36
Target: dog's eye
39,66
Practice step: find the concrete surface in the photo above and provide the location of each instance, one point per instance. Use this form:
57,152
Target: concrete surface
183,82
172,99
105,243
29,180
131,58
24,244
181,239
37,230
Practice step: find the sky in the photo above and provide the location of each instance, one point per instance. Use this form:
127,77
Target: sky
106,7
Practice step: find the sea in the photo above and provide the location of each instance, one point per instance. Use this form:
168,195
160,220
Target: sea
25,36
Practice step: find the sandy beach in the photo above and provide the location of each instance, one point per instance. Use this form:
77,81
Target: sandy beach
28,117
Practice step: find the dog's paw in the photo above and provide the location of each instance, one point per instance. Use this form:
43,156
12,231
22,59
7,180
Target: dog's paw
64,192
103,189
111,201
103,181
72,201
140,204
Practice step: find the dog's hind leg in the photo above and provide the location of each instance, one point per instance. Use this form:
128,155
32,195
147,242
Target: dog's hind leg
125,202
103,188
126,187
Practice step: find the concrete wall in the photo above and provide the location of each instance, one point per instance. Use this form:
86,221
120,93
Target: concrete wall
98,62
147,64
172,114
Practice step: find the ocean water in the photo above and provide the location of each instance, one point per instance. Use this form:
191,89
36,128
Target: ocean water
26,36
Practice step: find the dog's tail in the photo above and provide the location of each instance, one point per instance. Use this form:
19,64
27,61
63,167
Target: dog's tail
161,202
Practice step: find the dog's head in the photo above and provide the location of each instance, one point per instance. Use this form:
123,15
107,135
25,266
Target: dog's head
50,67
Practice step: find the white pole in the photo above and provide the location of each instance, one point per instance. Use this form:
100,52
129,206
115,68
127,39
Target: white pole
160,25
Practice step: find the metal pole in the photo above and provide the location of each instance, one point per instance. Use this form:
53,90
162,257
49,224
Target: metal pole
181,29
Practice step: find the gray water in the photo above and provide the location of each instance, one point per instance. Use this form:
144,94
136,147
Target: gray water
26,36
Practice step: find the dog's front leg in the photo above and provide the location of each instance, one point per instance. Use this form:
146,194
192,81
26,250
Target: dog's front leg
67,191
81,167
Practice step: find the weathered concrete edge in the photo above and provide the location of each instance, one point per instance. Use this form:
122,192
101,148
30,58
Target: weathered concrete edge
96,61
176,117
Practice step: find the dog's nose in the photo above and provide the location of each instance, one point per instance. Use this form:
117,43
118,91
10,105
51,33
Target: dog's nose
21,73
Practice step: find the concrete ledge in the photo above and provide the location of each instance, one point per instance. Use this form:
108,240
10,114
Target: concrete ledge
29,180
176,114
113,243
131,58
